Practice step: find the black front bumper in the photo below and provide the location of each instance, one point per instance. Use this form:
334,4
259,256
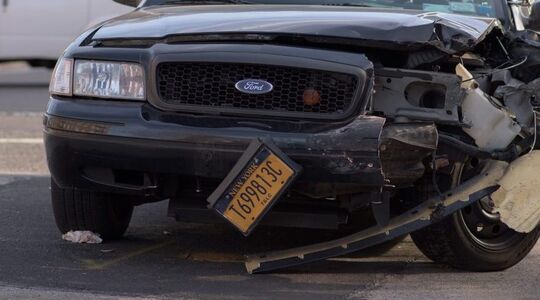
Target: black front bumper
82,136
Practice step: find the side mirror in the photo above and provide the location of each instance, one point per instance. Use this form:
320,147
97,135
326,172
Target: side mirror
133,3
533,22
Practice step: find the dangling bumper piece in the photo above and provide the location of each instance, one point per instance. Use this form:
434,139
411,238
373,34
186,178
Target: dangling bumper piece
430,211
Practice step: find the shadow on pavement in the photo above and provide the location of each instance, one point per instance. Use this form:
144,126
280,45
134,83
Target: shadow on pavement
162,257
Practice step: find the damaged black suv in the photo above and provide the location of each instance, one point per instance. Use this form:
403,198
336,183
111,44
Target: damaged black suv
390,117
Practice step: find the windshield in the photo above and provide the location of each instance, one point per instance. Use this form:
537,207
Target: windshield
485,8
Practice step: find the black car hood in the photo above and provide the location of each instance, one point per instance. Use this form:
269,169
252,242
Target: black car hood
448,32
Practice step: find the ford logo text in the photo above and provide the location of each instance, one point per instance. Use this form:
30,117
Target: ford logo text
254,86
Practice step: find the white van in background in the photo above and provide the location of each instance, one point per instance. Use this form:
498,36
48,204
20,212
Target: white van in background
38,31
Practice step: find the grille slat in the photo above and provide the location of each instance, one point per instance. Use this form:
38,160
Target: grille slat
213,85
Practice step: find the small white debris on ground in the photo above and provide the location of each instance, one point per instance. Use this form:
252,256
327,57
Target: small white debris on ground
518,198
80,237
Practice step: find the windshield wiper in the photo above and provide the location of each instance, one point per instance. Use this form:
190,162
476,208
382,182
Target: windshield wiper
202,2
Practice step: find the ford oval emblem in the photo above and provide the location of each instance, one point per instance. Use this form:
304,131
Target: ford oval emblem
254,86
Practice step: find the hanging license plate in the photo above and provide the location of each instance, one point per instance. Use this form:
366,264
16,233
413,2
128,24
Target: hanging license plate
256,182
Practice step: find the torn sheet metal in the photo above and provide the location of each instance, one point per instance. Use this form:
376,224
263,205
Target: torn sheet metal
403,148
428,212
351,152
82,237
517,95
518,199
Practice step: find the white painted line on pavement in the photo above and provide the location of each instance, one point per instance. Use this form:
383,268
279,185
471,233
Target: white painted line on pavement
21,114
15,175
21,141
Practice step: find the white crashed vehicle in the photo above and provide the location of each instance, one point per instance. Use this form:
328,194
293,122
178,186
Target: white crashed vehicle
38,31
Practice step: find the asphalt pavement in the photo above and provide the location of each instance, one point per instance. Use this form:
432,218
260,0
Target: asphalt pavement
160,258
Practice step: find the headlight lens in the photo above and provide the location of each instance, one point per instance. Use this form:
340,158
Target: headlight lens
109,80
61,77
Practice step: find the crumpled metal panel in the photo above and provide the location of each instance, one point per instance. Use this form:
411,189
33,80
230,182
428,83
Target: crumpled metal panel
517,95
448,32
403,147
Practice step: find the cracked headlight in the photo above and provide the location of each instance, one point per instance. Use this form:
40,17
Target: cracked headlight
115,80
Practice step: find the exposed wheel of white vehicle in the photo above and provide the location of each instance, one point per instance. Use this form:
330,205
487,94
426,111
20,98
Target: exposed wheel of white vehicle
474,238
49,64
103,213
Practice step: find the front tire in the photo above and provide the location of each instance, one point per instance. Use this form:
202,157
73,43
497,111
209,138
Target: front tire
474,238
103,213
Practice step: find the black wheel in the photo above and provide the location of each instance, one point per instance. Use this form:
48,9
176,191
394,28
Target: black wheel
474,238
49,64
103,213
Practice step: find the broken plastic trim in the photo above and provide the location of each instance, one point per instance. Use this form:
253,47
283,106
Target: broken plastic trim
517,199
430,211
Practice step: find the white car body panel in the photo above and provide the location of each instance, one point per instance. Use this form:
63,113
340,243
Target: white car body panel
42,29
